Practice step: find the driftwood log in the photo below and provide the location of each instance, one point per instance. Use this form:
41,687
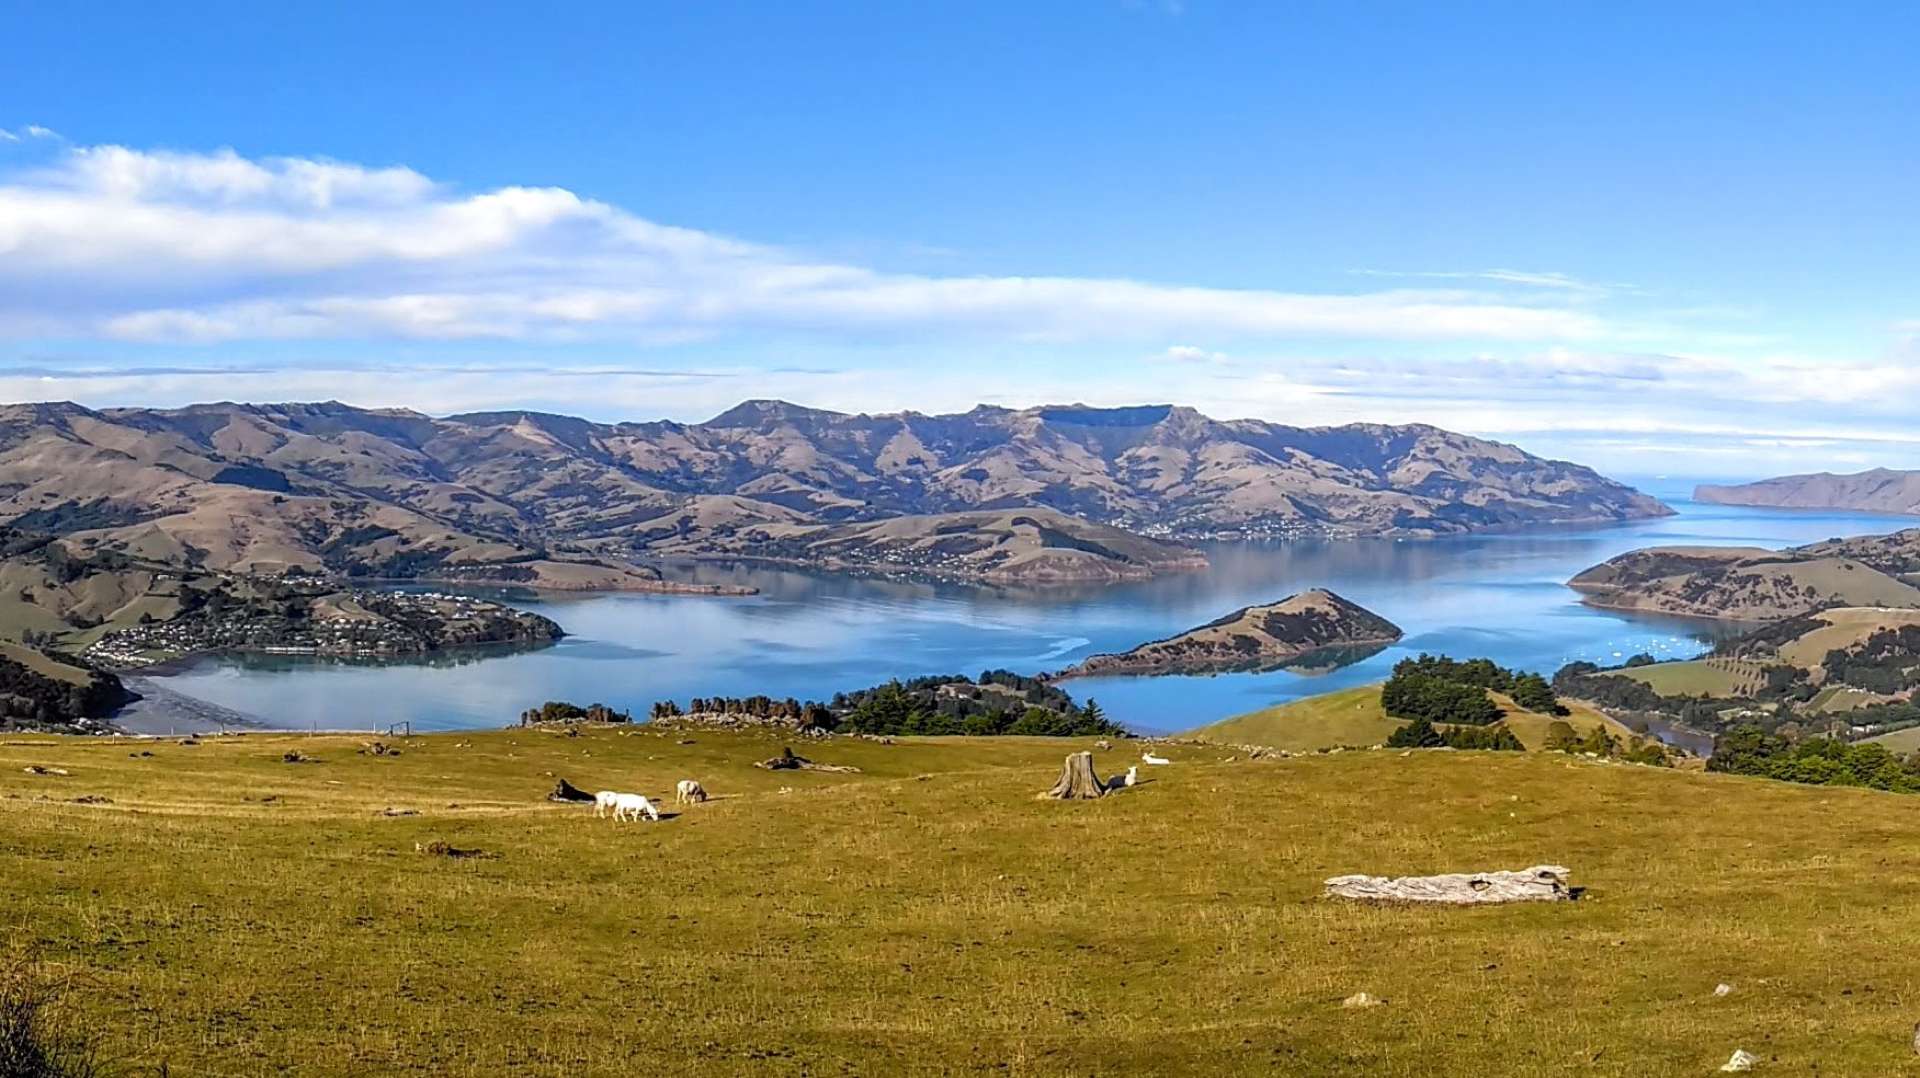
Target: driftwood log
567,791
1541,883
1077,780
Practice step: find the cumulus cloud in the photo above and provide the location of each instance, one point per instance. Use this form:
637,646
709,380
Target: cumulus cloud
165,246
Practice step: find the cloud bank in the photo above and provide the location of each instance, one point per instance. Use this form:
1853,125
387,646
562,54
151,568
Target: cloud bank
390,287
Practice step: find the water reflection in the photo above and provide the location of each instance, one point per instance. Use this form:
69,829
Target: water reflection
1502,595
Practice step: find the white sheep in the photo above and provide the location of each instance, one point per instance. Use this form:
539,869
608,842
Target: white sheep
633,806
1150,758
1133,776
603,801
689,792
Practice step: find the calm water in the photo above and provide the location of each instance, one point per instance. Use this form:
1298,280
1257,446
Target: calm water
1502,596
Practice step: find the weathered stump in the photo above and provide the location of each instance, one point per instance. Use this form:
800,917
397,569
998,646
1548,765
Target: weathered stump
1077,780
567,791
1541,883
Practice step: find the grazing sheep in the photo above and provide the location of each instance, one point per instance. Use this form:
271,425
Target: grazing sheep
603,801
1150,758
633,806
689,792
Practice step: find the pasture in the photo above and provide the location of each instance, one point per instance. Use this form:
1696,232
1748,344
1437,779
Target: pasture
1354,718
1701,677
225,912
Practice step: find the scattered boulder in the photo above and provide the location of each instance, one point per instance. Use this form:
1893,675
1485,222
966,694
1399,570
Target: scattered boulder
1541,883
378,748
92,799
1742,1061
1361,1000
1722,990
438,848
391,811
296,757
567,792
36,769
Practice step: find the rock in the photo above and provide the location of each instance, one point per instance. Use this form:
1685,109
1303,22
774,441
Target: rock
1361,1000
1741,1061
1916,1039
1723,990
1541,883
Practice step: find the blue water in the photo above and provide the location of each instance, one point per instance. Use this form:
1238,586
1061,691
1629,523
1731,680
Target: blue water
1502,596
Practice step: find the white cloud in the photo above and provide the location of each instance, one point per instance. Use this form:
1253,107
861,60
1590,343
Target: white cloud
167,246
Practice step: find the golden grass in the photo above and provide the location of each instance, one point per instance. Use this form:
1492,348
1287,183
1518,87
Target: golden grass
1700,677
1845,627
1348,717
1355,718
233,914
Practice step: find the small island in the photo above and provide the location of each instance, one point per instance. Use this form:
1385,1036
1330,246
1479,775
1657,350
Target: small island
1312,627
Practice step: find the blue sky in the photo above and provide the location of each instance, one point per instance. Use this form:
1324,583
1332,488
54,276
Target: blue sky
1655,241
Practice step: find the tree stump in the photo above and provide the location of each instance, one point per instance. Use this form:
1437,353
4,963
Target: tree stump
1077,780
1541,883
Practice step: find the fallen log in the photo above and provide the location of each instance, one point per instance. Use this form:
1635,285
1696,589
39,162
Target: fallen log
1541,883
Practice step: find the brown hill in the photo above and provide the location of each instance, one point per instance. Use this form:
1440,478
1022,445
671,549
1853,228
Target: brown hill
1878,491
1034,547
532,497
1300,628
1747,584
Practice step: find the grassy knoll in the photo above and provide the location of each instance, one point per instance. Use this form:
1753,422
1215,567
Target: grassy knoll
1354,717
229,913
1699,677
1349,717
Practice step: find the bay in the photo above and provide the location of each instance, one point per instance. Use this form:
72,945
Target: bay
1497,595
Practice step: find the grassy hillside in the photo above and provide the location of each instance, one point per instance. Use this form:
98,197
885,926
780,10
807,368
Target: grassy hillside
1354,717
1348,717
1701,677
230,913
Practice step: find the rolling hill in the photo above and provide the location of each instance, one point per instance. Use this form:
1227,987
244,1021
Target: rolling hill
1748,584
547,500
1355,718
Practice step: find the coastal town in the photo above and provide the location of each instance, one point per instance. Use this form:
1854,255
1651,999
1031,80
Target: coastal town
353,623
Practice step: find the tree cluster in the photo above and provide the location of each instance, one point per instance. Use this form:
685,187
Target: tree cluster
1423,734
1818,761
562,711
1446,690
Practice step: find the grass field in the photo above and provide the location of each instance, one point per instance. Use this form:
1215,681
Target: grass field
1349,717
1355,718
228,913
1700,677
1845,627
1900,741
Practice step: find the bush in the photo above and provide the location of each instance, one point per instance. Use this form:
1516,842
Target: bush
40,1035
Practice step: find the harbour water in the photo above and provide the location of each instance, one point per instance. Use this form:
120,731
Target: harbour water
805,636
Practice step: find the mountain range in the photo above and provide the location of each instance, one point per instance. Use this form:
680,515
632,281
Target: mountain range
556,501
